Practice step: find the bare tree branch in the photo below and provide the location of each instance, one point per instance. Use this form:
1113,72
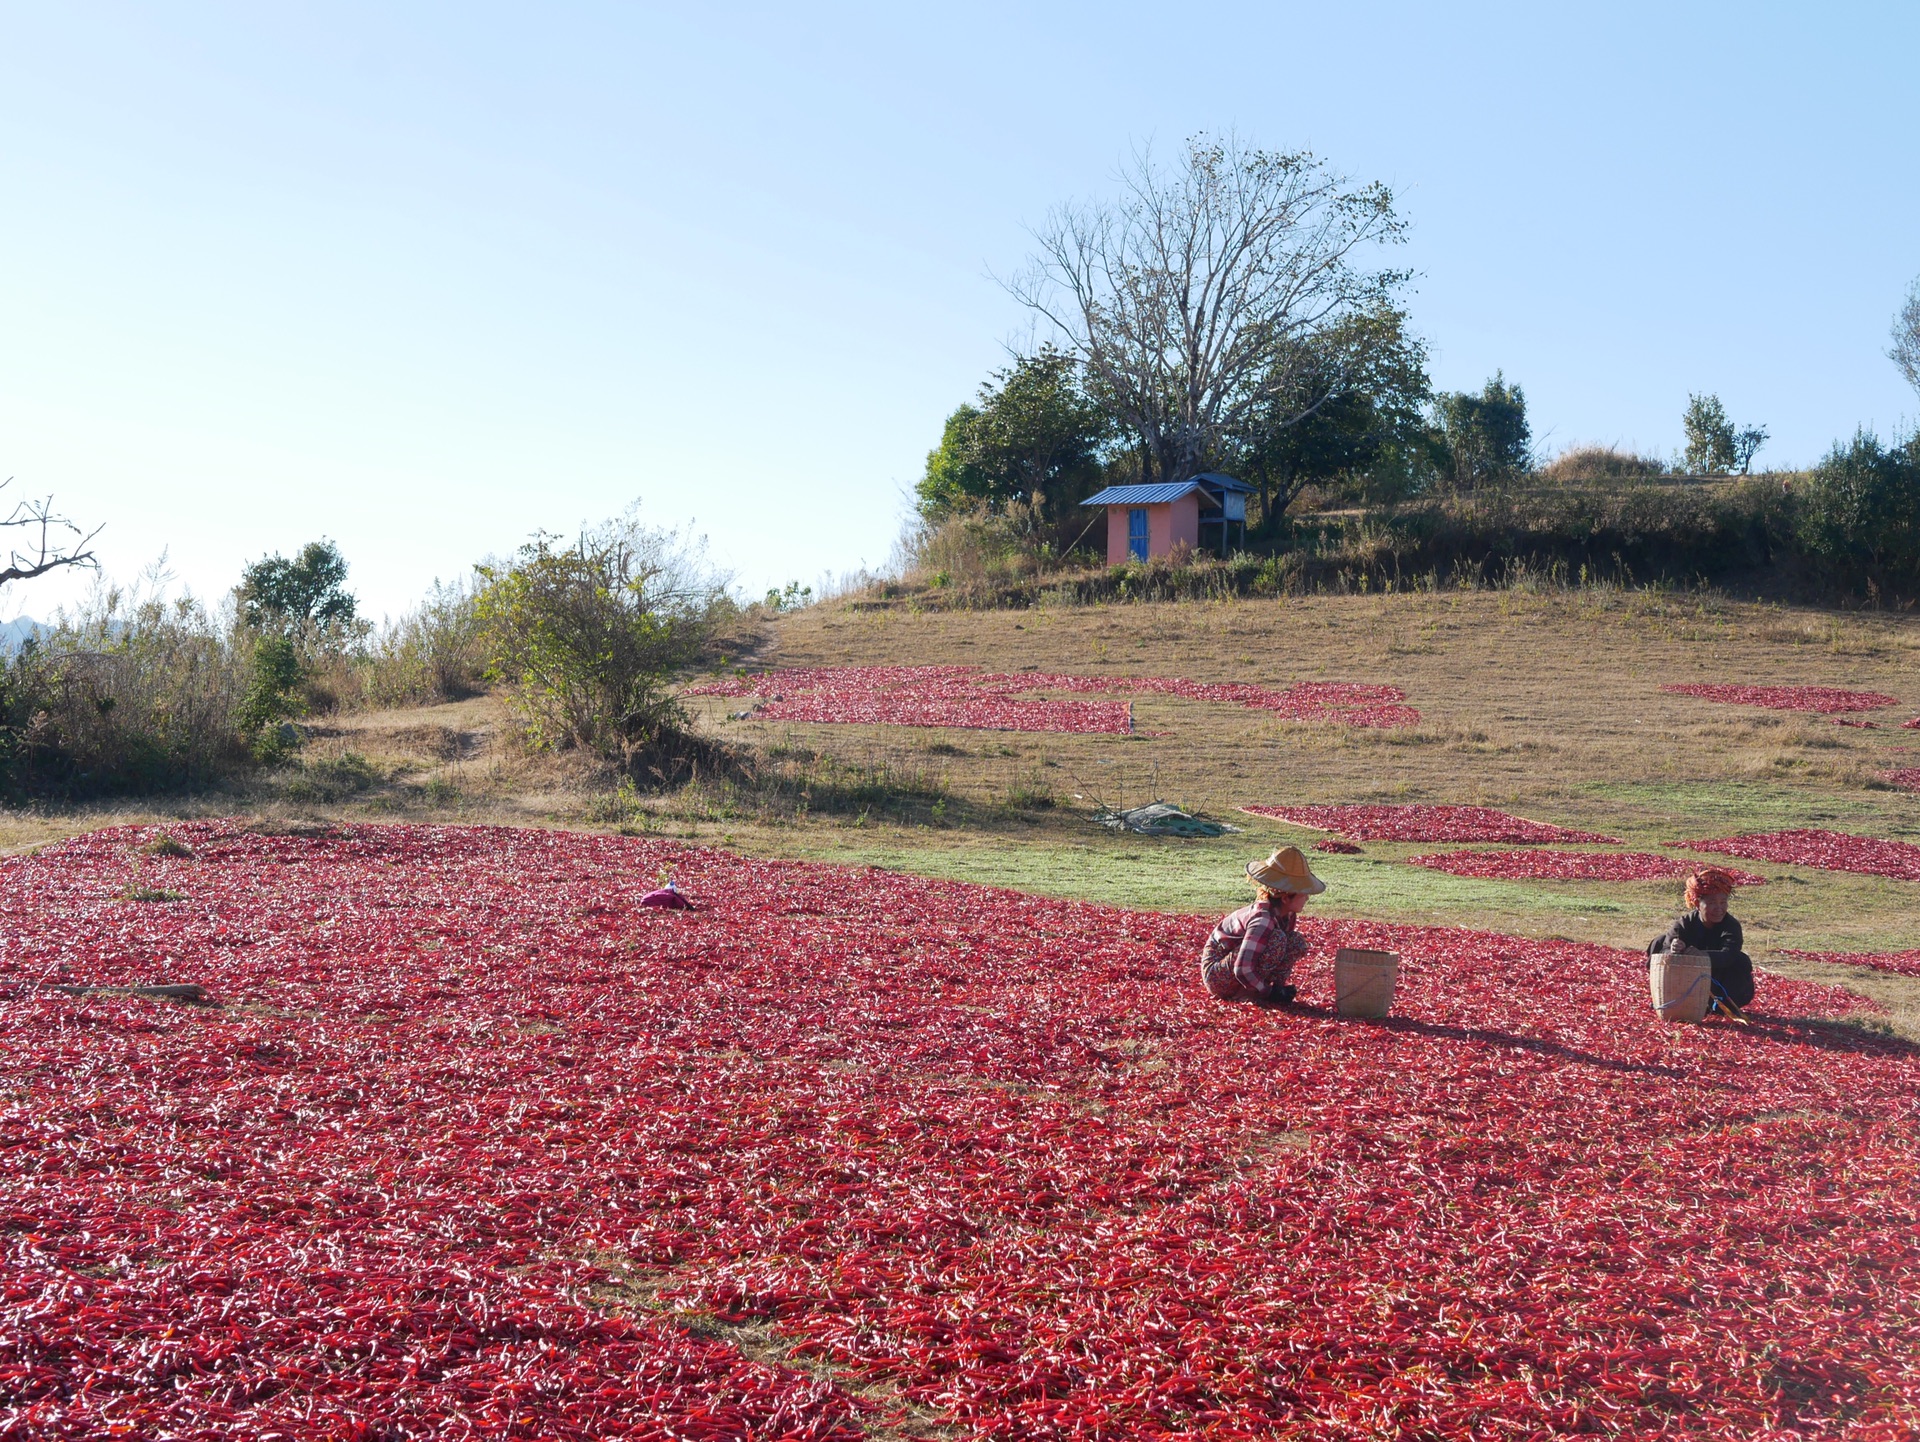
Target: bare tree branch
1194,299
45,546
1905,352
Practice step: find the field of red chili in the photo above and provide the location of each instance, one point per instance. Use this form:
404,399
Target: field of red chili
1829,850
1826,700
1901,963
1424,823
1568,866
1907,778
475,1146
967,697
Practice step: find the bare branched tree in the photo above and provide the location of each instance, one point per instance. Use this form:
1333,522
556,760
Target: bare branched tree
1202,295
39,541
1906,338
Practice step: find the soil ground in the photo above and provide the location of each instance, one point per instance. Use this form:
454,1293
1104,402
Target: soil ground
1547,704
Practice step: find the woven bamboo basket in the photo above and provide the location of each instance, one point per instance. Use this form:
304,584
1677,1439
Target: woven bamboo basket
1682,985
1363,981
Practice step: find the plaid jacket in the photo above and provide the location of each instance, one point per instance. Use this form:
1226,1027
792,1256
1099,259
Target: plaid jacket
1250,951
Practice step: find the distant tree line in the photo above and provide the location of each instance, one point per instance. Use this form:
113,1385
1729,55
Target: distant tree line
132,692
1220,314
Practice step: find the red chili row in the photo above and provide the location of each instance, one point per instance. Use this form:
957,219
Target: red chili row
1424,823
1822,699
1829,850
1569,866
1903,963
963,696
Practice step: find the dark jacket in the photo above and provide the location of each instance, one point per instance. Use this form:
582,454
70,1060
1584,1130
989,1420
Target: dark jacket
1721,942
1724,945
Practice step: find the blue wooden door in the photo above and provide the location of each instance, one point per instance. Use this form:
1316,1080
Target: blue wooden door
1137,533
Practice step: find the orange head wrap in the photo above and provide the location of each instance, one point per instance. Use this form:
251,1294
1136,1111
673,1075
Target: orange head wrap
1708,881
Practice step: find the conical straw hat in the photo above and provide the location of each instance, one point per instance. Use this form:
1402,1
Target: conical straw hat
1286,870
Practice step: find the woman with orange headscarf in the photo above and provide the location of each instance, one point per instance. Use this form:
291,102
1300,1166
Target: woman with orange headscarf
1706,926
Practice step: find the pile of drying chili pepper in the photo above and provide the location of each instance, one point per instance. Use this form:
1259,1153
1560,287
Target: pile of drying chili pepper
1907,778
477,1146
1825,700
1829,850
1424,823
1569,866
1904,963
963,696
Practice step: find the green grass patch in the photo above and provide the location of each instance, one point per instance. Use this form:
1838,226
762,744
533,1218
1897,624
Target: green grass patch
1683,809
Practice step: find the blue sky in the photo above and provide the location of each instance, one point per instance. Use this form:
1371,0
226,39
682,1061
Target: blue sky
427,278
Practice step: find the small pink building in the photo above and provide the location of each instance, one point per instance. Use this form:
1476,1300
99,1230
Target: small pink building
1148,521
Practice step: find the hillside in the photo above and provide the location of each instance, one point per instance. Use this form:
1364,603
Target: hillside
459,1135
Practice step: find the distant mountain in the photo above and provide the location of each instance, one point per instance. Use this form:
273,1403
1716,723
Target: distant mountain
18,631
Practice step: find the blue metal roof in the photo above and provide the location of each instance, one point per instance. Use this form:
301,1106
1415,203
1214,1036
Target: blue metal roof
1162,492
1154,495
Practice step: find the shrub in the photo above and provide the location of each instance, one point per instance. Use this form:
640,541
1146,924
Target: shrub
585,637
980,550
271,696
434,653
1860,512
129,694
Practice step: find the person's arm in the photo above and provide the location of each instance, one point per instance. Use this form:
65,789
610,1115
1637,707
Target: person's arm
1671,939
1246,966
1733,941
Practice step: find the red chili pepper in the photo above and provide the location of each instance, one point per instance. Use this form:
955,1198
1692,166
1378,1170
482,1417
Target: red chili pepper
479,1148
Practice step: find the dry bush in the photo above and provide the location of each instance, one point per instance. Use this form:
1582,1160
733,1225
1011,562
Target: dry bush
975,553
129,693
586,637
1589,464
434,653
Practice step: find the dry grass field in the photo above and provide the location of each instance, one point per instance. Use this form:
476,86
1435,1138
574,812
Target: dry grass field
1542,703
1545,704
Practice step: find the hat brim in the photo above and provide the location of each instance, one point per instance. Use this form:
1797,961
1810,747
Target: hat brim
1257,871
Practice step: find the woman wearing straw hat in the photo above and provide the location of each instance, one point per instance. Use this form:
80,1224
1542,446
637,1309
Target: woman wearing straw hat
1706,926
1251,951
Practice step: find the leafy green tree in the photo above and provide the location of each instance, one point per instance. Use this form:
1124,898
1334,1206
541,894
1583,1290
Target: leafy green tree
586,636
1709,436
308,590
1486,436
1860,510
1034,435
1715,445
954,479
1361,396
